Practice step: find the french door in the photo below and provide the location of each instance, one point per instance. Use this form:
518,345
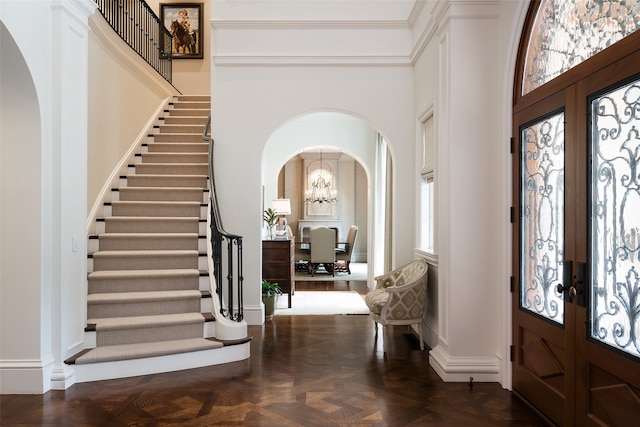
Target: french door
576,299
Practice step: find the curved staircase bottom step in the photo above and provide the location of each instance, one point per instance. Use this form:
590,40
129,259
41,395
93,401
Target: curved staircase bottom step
154,365
111,353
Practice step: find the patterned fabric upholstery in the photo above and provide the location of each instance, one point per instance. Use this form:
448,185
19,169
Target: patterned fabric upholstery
376,299
399,297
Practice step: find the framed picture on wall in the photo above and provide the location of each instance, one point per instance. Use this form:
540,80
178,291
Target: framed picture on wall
184,22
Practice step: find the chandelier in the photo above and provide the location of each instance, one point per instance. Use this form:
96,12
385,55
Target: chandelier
321,189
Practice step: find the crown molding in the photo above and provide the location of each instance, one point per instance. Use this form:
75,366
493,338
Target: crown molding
309,24
276,60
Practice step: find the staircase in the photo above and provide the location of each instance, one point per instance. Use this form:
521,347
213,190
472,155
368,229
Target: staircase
149,307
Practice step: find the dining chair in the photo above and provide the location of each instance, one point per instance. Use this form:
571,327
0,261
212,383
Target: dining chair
322,241
343,254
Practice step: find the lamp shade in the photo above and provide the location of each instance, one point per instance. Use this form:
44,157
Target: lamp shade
281,206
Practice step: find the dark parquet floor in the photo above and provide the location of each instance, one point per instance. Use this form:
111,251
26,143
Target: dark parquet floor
303,371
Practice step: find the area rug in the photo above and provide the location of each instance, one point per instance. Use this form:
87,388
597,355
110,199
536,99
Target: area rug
322,302
358,272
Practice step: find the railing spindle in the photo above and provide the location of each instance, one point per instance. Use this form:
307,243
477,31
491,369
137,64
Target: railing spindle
138,25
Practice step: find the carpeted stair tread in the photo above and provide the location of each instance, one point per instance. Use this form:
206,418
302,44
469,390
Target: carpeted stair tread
145,259
147,303
161,194
155,208
159,252
177,137
134,297
153,180
175,120
178,147
182,128
139,224
174,157
137,274
190,112
189,104
113,353
148,241
134,322
106,281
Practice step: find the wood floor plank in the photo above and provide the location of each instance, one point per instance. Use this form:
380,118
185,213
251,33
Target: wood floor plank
303,371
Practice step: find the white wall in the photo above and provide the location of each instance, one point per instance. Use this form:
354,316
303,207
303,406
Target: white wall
54,48
124,94
20,228
252,101
461,72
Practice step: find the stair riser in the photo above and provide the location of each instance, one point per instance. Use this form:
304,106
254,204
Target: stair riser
152,262
149,334
161,194
192,104
178,147
141,243
152,225
107,285
100,311
164,181
181,128
178,137
189,112
135,225
198,98
169,169
153,209
186,120
175,157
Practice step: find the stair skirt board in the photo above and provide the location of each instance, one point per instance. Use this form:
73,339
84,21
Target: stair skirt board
158,364
148,307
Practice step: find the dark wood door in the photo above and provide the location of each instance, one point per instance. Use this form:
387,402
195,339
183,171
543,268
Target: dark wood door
576,302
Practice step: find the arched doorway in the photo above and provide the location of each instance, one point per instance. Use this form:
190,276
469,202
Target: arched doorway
576,116
23,303
355,142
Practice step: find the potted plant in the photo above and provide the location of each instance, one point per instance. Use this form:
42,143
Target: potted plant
270,292
271,218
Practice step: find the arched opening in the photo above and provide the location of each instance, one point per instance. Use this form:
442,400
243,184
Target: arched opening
22,311
360,162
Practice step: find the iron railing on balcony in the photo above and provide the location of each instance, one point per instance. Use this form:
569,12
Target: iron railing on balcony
225,258
141,29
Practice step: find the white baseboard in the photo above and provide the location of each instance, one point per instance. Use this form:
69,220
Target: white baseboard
462,369
24,376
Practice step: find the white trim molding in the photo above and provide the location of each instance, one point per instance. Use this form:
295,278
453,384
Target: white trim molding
464,369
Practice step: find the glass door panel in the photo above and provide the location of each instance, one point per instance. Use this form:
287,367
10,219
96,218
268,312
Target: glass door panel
542,227
615,224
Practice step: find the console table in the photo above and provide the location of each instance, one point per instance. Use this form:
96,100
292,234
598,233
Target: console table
278,264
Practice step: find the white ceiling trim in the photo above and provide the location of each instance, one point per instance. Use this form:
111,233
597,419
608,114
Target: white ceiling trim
308,24
238,60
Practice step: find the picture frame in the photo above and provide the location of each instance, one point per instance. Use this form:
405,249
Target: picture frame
184,22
